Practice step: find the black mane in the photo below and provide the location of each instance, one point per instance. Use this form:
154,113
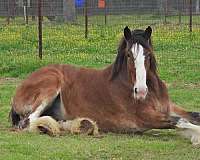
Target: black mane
120,59
122,49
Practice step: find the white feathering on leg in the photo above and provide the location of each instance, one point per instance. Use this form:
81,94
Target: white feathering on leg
46,122
189,130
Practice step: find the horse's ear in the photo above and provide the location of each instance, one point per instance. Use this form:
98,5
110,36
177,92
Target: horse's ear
148,32
127,33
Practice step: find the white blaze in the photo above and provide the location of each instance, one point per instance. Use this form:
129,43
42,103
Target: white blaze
138,54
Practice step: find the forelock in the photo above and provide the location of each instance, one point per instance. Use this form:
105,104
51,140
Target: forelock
139,38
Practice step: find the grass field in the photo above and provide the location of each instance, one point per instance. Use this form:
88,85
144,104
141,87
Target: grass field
178,56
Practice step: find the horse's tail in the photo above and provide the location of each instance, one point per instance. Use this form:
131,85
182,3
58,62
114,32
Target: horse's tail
46,125
14,117
193,117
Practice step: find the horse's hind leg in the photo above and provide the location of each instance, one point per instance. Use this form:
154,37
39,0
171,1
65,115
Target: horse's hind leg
14,117
25,120
39,110
56,109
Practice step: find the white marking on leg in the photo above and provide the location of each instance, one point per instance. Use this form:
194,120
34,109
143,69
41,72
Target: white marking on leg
140,84
189,130
38,111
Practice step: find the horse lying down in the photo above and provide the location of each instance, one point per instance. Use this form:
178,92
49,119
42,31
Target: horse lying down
127,96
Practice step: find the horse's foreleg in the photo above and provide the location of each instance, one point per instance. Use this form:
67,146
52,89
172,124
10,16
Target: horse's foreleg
193,117
166,123
153,119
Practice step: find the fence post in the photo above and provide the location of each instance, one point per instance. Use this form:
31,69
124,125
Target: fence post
190,23
26,11
105,10
179,11
8,16
86,19
166,11
40,28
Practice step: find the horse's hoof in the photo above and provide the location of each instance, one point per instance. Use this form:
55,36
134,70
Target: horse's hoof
86,127
24,123
45,130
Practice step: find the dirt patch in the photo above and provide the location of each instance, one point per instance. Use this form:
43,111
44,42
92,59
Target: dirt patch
184,85
9,80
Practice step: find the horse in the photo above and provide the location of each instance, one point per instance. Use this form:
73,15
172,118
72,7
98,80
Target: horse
127,96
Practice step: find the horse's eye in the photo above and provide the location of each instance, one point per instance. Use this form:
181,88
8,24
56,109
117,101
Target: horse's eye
147,55
129,54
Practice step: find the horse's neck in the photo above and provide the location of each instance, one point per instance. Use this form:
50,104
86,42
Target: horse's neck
157,88
122,78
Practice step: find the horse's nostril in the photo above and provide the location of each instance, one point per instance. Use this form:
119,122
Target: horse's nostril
136,90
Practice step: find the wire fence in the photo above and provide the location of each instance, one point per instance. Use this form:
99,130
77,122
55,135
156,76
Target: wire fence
87,32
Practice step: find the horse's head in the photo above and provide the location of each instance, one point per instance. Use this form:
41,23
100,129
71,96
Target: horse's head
138,52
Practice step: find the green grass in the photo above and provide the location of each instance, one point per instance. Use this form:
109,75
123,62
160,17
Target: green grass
176,49
177,52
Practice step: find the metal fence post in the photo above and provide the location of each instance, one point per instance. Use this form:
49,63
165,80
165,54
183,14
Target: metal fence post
40,28
8,16
190,23
166,11
86,19
179,12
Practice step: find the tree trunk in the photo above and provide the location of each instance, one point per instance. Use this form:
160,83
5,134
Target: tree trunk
69,10
197,6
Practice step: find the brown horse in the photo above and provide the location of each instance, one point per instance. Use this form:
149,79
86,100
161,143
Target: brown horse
126,97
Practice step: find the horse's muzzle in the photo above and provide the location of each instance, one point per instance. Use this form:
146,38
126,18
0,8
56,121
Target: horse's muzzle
140,93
